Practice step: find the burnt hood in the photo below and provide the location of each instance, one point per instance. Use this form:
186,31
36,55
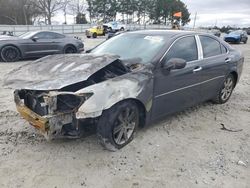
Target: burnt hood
57,71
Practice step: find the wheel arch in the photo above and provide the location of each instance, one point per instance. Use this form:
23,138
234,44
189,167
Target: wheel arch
119,90
70,45
141,108
94,35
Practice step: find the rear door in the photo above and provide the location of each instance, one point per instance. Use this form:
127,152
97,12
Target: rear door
214,65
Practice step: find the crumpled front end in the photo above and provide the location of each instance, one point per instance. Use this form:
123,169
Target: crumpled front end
53,113
63,106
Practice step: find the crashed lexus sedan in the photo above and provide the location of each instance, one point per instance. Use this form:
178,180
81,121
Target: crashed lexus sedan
127,82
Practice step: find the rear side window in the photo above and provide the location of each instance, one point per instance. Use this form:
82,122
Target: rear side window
45,35
185,48
210,46
58,36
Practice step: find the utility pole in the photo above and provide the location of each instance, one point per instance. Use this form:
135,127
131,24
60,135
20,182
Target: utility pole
195,17
25,15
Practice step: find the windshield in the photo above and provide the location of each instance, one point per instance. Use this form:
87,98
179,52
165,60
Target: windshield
27,35
130,46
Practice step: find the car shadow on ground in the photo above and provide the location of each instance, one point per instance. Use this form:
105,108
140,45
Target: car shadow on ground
91,130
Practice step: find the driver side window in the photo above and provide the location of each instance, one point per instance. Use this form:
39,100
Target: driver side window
184,48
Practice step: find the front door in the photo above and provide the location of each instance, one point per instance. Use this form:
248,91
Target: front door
178,89
43,43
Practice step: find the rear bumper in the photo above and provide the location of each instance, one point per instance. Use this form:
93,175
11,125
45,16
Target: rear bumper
240,65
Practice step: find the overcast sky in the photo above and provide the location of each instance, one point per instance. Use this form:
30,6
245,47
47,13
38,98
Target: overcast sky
222,12
209,13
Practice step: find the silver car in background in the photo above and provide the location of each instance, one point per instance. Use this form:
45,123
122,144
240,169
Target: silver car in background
38,44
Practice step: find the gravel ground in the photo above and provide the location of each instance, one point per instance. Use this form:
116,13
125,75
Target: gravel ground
187,149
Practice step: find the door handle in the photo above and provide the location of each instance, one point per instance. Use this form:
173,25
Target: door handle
228,60
197,69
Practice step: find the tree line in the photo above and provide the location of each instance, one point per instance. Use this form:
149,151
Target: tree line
25,12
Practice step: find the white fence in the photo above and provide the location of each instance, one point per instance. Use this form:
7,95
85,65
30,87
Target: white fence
67,29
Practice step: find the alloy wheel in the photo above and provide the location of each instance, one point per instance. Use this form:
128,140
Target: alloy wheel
69,50
227,89
125,126
10,54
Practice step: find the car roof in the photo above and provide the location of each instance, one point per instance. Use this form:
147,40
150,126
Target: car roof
173,34
167,33
39,31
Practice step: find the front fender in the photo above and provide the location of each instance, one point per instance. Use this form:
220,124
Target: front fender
110,92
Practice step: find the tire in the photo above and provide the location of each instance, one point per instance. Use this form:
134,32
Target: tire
245,41
88,37
10,54
122,29
69,49
117,125
226,90
94,35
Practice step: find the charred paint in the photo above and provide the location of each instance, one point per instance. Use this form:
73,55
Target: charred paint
66,89
57,71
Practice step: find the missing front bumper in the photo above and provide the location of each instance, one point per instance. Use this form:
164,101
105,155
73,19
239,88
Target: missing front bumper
50,126
34,119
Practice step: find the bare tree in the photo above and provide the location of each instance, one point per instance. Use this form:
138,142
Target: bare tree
49,8
30,11
65,9
78,7
18,11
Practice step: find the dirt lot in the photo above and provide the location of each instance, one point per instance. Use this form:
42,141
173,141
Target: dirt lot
188,149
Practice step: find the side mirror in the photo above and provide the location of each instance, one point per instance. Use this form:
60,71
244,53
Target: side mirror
174,63
35,39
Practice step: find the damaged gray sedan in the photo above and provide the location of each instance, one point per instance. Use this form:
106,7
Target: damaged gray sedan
127,82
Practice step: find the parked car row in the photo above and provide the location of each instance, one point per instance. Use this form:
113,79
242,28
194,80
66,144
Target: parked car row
103,29
248,31
38,44
237,37
147,75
